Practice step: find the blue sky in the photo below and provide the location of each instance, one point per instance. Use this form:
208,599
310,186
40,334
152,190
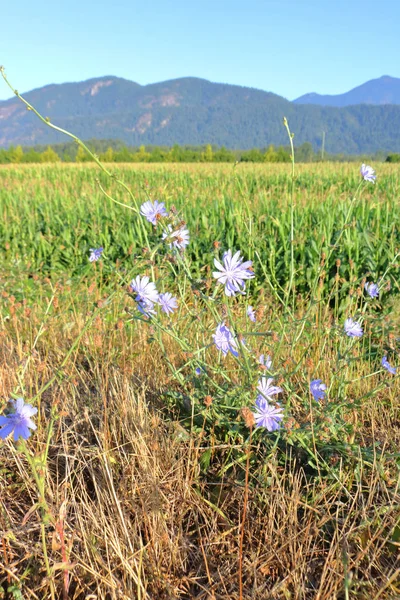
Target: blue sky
289,47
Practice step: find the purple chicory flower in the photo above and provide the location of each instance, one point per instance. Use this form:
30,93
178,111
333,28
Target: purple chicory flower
372,289
167,302
266,388
267,415
95,254
18,421
233,272
251,314
178,238
265,361
146,308
153,211
367,173
317,388
146,291
224,340
385,363
352,328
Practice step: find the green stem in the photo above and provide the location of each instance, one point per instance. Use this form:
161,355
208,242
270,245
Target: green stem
290,134
94,157
46,562
44,511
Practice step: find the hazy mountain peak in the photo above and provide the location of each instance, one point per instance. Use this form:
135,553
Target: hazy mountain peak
384,90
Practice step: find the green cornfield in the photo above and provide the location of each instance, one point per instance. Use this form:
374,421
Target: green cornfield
51,216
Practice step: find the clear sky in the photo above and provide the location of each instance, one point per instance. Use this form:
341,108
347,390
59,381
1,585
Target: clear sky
289,47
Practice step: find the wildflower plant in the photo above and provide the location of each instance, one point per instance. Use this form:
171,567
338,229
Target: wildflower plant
167,303
367,173
317,388
251,314
372,289
145,290
18,421
267,415
352,328
233,273
225,341
95,254
386,365
153,211
177,238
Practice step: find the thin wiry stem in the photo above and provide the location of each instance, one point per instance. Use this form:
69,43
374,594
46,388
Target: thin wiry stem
290,134
47,122
242,526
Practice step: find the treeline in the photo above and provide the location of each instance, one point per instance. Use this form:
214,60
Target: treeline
110,151
393,158
118,153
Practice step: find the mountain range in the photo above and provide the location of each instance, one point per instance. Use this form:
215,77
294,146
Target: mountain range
196,111
385,90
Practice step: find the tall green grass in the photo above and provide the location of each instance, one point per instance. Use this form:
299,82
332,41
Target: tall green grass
52,215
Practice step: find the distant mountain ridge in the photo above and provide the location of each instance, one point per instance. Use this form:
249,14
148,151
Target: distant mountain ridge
385,90
193,111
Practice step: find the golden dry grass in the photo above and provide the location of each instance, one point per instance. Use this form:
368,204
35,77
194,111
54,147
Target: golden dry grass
134,514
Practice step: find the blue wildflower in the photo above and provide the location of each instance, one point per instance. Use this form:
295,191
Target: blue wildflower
266,388
251,314
372,289
352,328
317,388
146,308
224,340
167,302
95,254
233,272
265,361
368,173
18,421
385,363
146,291
153,211
178,238
267,415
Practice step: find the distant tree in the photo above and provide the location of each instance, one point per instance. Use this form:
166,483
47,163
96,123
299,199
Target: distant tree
253,155
16,154
108,156
283,155
32,156
271,155
208,154
123,155
224,155
49,156
176,154
393,158
81,155
116,151
141,155
305,153
158,155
